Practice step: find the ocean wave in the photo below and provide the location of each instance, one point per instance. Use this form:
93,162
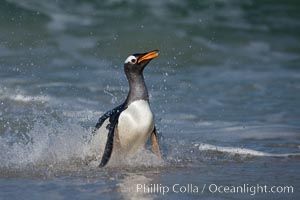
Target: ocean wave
244,151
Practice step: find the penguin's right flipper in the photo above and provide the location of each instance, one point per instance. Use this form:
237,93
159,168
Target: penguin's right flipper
113,121
108,114
109,145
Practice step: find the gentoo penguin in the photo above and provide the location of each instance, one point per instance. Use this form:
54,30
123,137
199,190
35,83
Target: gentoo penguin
131,124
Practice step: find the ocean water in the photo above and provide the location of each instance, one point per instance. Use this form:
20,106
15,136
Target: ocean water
225,92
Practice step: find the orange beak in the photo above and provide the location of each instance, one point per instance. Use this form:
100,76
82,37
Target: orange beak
148,56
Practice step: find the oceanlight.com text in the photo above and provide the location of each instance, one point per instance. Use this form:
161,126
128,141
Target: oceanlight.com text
213,188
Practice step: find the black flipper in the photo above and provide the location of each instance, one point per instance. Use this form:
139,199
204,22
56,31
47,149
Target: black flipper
113,121
109,145
108,114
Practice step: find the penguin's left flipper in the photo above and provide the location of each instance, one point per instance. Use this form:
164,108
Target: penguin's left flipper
155,145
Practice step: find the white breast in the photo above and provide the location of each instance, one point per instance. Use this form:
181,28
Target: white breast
135,126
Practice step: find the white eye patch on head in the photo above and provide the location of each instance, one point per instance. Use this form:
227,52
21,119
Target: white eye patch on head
131,59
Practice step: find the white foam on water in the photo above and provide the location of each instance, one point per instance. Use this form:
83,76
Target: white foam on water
27,98
242,151
21,96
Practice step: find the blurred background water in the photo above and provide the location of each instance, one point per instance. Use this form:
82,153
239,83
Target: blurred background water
225,92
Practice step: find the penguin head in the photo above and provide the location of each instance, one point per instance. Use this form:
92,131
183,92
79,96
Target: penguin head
137,62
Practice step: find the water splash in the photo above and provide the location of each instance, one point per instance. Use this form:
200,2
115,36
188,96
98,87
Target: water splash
47,143
62,144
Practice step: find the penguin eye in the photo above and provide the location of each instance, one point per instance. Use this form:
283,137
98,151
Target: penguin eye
133,60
